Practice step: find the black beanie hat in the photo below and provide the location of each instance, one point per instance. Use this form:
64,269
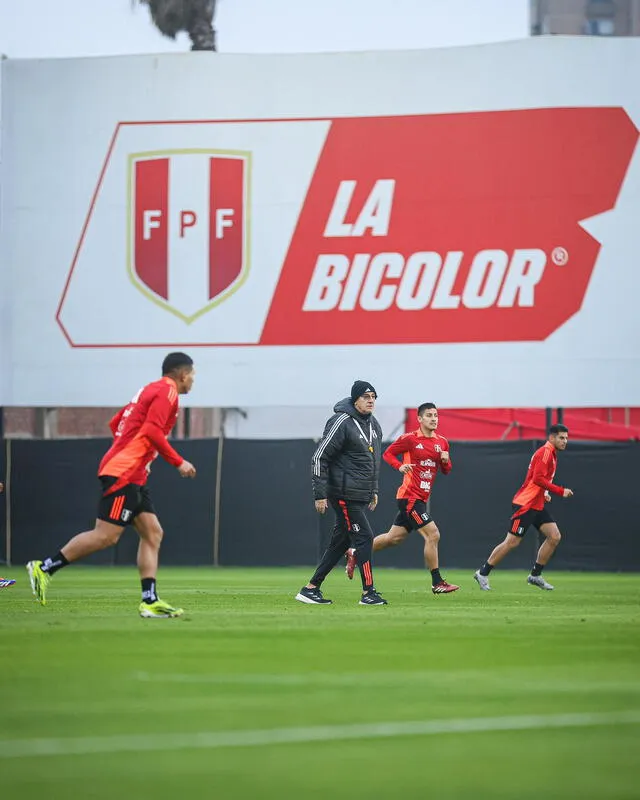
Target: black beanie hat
359,388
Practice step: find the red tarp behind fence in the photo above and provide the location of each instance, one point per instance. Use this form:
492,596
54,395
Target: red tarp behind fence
604,424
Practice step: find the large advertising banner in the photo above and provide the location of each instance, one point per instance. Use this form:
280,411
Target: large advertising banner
461,223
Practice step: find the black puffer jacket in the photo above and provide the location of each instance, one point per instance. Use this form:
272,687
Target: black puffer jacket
343,466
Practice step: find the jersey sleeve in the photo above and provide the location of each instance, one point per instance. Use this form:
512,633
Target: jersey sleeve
115,421
446,468
159,413
401,445
541,474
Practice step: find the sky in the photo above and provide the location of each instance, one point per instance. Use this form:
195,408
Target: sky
71,28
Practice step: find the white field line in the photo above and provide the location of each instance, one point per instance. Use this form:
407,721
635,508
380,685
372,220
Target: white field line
391,678
211,740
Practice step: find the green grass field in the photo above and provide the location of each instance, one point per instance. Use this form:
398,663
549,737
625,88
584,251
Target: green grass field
253,695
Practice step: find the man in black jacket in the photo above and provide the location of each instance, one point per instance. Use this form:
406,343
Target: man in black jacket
344,473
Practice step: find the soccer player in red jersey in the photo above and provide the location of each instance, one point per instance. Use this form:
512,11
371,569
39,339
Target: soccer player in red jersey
422,452
529,509
140,433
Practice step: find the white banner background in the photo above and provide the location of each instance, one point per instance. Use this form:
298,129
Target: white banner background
58,119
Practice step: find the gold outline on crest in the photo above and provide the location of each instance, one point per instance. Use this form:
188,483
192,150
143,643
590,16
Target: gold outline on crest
246,200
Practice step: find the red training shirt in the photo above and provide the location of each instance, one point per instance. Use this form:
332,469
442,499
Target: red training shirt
140,432
540,474
424,453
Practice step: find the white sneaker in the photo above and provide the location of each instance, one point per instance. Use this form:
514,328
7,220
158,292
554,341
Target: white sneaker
483,581
539,581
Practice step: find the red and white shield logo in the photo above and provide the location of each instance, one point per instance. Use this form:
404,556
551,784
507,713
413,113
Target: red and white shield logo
187,227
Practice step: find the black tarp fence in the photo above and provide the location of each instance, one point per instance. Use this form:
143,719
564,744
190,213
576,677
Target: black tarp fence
266,515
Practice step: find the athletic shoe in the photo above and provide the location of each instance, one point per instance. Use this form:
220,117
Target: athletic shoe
539,581
372,598
483,581
39,581
6,582
159,610
444,588
351,563
312,596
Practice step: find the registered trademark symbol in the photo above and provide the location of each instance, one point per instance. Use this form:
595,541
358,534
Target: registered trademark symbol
559,256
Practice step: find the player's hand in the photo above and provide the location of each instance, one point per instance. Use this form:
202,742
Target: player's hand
321,506
444,456
567,493
373,503
187,470
1,488
547,497
406,468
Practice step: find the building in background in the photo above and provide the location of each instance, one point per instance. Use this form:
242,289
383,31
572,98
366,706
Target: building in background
585,17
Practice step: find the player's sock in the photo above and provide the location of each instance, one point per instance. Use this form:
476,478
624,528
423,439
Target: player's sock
149,595
436,577
537,569
52,565
486,568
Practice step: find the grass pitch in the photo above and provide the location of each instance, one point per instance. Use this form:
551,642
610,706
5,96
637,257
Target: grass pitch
514,693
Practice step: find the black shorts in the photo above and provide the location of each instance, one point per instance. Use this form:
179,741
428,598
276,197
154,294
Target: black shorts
123,506
520,522
412,514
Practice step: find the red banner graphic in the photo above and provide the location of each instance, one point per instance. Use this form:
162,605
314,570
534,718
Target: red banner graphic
450,228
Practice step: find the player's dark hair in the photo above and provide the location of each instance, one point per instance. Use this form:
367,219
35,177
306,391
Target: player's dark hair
558,428
176,361
424,406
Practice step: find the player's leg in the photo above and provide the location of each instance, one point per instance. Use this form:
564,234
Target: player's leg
552,537
431,536
104,534
517,528
150,531
512,540
338,544
509,543
398,532
115,510
392,538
